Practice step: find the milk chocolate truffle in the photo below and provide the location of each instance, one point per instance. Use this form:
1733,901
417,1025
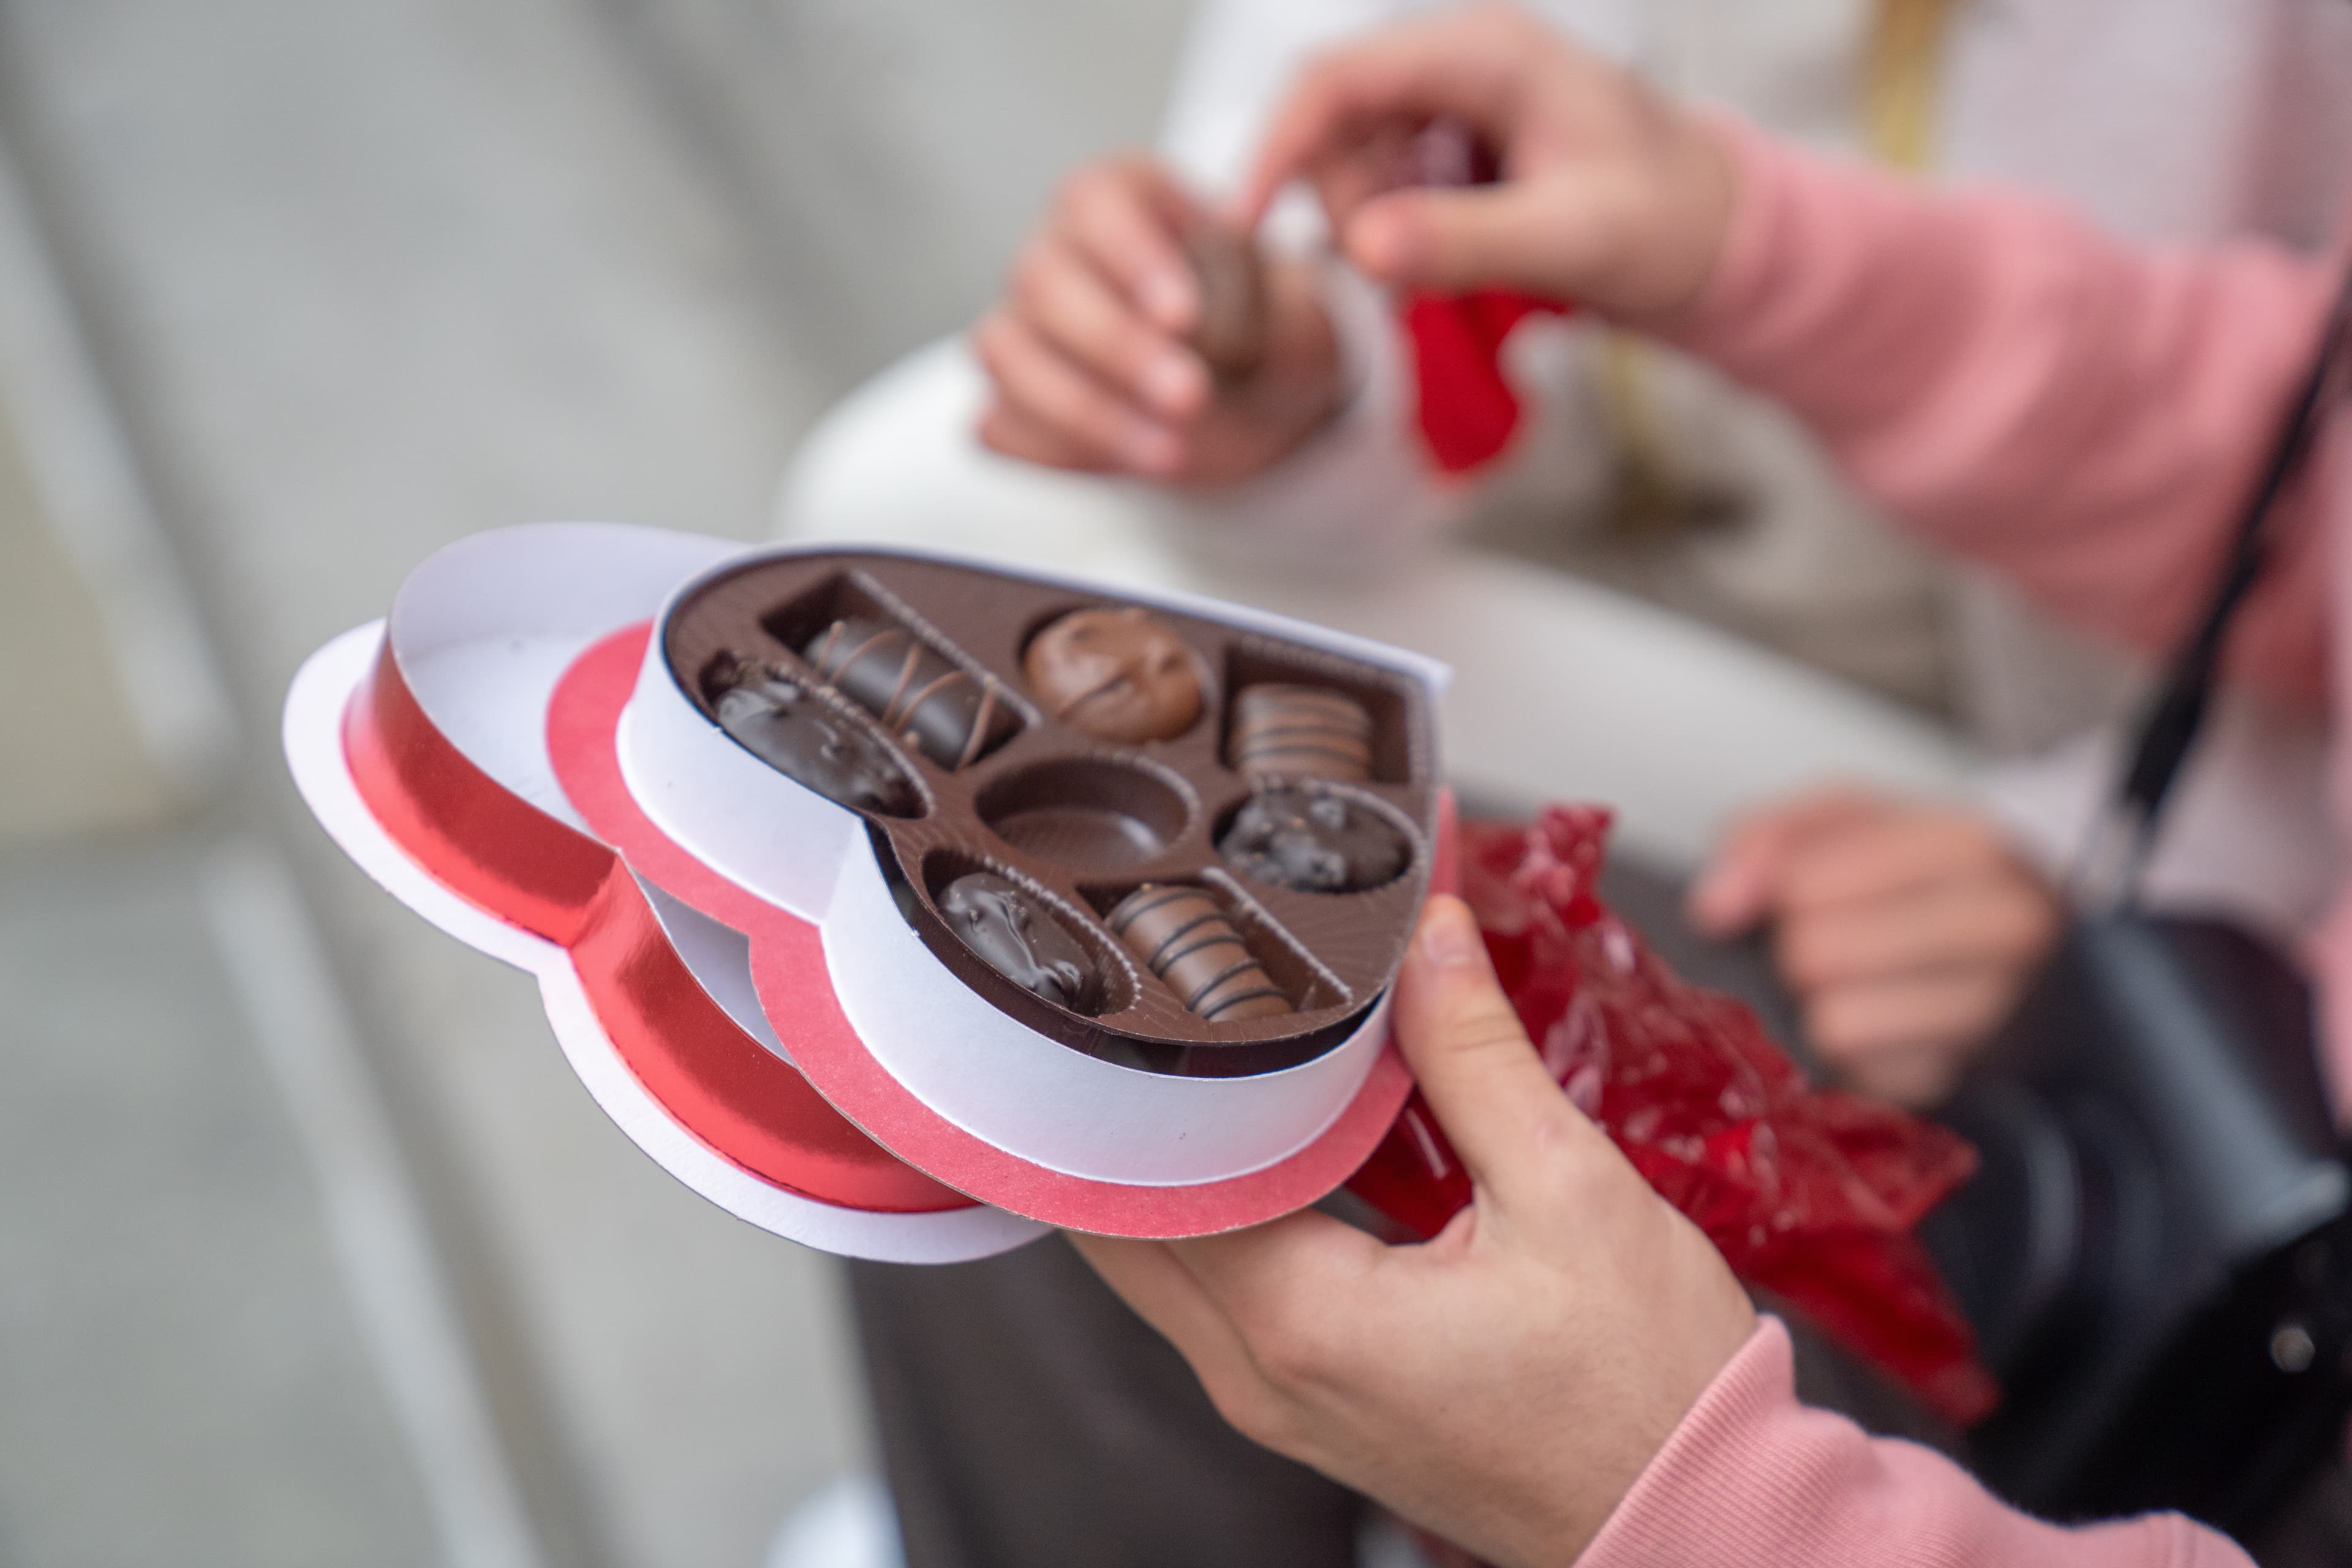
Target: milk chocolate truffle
938,707
788,727
1315,842
1301,732
1232,330
1183,937
1015,935
1117,675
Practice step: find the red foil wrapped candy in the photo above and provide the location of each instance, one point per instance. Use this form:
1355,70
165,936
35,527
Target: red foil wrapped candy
1812,1195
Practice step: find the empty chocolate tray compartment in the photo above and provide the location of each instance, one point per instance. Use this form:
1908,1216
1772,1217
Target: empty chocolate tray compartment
1072,764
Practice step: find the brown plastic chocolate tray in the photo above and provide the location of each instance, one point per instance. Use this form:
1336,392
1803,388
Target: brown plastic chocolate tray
1084,822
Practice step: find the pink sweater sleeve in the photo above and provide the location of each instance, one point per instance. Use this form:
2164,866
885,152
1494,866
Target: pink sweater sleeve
1752,1480
2016,387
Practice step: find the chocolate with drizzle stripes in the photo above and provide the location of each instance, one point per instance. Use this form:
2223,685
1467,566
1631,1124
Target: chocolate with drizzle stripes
951,716
1300,732
1183,937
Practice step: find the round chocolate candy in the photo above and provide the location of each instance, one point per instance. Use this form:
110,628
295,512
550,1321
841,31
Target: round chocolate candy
1231,333
940,707
1183,937
1015,935
788,727
1298,836
1301,732
1117,675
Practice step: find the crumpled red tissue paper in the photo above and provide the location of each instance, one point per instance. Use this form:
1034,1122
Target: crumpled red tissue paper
1811,1194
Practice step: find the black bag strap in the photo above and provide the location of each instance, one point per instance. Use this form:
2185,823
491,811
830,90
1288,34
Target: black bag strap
2109,874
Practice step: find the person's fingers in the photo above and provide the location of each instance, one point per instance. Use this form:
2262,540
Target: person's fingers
1015,435
1076,311
1979,918
1459,65
1880,857
1042,385
1524,233
1346,180
1737,887
1957,1007
1455,240
1149,1278
1472,1057
1275,1284
1127,217
1917,1076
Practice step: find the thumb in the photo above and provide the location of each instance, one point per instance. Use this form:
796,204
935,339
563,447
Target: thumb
1454,240
1470,1056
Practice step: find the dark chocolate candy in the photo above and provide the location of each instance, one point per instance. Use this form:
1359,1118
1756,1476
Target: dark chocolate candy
1232,330
1301,732
1014,933
1314,841
940,707
1117,675
788,727
1185,939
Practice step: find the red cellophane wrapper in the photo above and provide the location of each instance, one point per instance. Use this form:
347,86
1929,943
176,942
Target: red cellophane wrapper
1812,1195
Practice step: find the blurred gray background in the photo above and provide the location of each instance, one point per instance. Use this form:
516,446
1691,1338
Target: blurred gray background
312,1250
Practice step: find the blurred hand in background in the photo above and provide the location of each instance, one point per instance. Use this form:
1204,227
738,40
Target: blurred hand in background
1609,193
1087,354
1907,932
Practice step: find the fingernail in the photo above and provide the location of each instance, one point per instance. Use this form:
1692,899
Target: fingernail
1449,937
1380,242
1706,905
1728,903
1173,382
1168,297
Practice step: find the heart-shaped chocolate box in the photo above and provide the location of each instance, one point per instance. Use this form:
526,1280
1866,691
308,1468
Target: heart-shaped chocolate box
1079,823
586,748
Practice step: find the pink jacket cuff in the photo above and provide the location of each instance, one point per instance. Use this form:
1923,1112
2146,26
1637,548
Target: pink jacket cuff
1752,1480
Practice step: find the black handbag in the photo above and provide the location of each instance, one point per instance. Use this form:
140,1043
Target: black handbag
2158,1251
